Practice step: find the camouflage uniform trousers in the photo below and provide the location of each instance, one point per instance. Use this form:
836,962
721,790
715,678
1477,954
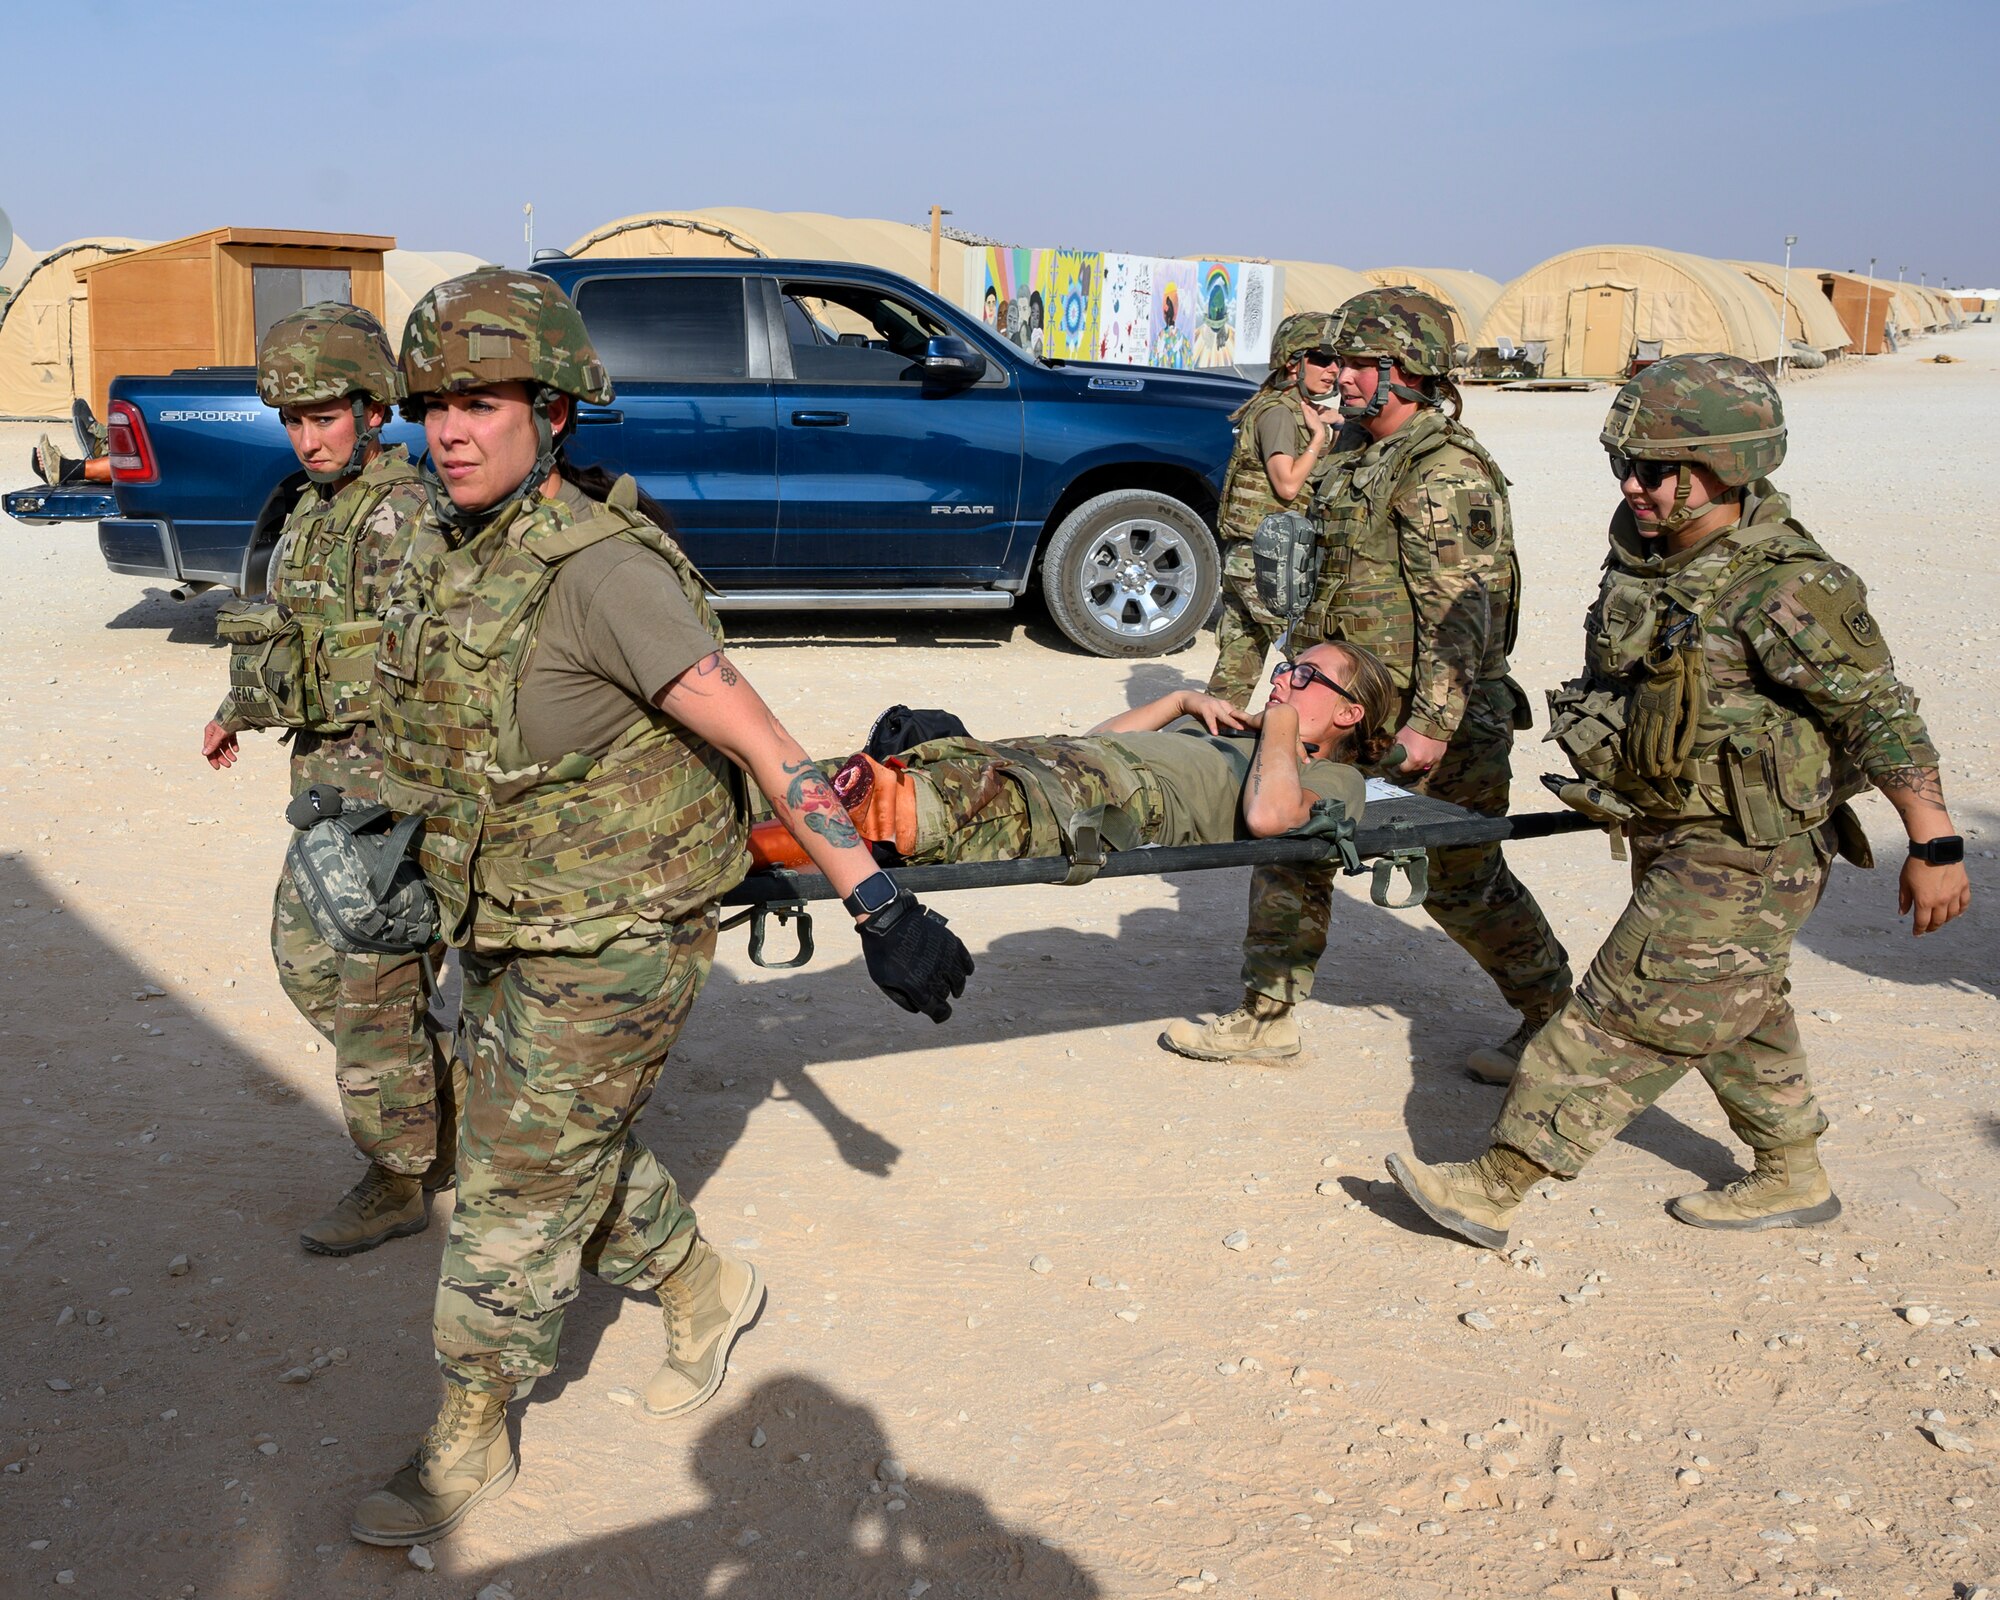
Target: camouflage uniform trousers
562,1054
1473,896
968,811
373,1009
1694,974
1245,631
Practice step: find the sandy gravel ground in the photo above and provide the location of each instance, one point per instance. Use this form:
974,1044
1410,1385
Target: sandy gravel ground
1652,1411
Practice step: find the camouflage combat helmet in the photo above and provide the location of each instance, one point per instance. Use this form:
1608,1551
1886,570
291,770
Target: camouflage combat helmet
1719,412
1300,332
330,351
1398,327
498,325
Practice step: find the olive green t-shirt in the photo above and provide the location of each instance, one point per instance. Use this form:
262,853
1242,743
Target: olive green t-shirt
1201,777
1278,433
615,630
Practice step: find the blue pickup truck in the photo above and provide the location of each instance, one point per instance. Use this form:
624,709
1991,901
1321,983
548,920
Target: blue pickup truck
827,436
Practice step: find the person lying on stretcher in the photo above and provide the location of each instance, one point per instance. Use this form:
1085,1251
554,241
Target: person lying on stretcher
1227,775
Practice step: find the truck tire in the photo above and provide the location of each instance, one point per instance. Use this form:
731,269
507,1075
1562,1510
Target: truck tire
1131,573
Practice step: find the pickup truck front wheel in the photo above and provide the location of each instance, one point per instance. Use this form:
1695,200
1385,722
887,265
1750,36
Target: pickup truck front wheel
1131,573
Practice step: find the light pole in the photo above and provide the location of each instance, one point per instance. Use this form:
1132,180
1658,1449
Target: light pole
1785,307
1867,305
528,229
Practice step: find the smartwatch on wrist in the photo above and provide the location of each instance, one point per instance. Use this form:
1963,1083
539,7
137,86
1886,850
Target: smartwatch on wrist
871,894
1947,850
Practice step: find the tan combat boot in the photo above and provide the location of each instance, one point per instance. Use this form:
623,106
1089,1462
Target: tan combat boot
1787,1189
707,1301
384,1205
1474,1199
464,1459
1497,1063
1264,1029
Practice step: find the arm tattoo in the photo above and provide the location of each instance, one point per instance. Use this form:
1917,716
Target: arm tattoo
716,662
810,799
1920,783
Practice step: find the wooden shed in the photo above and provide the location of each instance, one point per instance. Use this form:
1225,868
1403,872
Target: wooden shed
205,300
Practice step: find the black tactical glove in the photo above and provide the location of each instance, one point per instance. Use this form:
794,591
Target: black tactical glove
914,957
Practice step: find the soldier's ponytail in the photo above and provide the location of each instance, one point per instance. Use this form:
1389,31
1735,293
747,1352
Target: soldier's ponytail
1369,682
595,484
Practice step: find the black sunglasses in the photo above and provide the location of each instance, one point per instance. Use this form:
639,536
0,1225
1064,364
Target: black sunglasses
1651,474
1304,672
1320,358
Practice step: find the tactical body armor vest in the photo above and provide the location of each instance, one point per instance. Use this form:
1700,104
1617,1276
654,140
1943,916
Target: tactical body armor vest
1672,715
1364,595
304,657
1247,495
560,855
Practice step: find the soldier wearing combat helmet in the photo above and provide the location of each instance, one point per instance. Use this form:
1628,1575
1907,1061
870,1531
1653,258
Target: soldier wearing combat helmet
1418,566
556,702
1283,432
303,660
1736,692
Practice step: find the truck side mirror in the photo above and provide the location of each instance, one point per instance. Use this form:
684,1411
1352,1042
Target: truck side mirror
953,360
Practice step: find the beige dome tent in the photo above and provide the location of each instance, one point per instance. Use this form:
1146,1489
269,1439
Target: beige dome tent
1594,307
45,332
20,262
1468,296
1809,316
408,275
787,235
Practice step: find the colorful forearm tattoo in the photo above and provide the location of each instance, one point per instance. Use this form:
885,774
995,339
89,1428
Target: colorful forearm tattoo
811,800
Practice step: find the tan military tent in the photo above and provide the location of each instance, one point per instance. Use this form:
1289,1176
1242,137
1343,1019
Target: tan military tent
21,259
408,275
1468,296
45,332
1594,307
1809,316
797,235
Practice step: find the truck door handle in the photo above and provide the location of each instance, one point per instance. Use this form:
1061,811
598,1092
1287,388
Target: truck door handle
819,419
584,417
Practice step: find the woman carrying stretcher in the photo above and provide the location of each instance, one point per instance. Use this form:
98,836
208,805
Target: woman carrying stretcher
1229,775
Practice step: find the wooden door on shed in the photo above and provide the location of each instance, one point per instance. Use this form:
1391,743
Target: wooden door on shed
1599,341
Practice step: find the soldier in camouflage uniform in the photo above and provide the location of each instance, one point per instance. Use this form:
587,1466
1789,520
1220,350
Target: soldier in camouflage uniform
1418,567
555,701
1736,693
1282,436
303,659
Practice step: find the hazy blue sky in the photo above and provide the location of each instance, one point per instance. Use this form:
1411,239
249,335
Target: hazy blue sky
1486,136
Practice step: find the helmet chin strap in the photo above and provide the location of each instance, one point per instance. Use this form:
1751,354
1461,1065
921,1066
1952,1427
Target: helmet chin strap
365,439
462,524
1385,386
1683,514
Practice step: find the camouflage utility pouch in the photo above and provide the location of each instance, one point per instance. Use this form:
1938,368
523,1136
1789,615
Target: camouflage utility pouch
1285,552
352,868
267,662
344,673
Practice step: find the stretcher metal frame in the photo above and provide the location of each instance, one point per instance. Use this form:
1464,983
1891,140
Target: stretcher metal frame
1394,834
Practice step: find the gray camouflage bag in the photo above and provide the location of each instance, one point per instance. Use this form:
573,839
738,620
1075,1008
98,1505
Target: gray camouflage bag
352,868
1285,554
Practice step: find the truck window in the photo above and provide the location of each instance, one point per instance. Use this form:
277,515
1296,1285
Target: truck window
660,329
846,333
